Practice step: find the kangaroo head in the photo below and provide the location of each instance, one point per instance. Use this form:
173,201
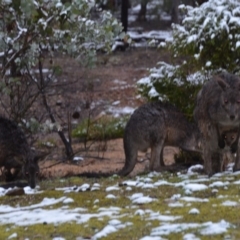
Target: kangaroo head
31,171
230,103
230,137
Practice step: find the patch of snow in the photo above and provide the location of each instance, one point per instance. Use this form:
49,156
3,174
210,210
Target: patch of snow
208,228
190,236
111,196
175,196
215,228
219,184
139,198
162,218
194,199
68,200
130,183
112,188
14,235
194,168
78,158
194,211
82,188
139,212
169,228
161,183
116,112
116,81
230,203
29,190
193,187
105,231
113,226
116,103
152,238
176,204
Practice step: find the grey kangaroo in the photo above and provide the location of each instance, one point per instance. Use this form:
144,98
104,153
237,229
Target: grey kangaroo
230,138
217,110
155,125
15,151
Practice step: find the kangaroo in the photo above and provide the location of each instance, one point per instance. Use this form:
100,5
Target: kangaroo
155,125
12,168
229,137
217,110
13,144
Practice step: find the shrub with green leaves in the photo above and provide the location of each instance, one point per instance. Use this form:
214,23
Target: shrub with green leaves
167,82
207,41
104,128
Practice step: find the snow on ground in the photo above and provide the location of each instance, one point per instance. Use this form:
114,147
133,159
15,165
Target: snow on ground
60,210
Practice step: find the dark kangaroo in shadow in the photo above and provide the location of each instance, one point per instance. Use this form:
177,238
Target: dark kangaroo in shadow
217,110
15,151
12,169
156,125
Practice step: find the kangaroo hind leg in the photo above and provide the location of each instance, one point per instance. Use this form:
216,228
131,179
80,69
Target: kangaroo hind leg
156,154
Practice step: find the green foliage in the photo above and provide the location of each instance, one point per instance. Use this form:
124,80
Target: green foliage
207,41
103,128
169,83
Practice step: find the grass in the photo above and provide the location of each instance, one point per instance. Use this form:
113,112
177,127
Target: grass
137,225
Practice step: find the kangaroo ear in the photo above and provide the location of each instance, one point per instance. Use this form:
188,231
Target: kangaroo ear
221,83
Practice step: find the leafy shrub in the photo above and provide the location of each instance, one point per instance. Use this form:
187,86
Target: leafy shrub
169,83
104,128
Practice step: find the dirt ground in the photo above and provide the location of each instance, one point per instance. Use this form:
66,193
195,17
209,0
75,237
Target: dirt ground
113,79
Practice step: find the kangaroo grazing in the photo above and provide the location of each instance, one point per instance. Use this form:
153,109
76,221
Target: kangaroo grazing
155,125
14,145
217,110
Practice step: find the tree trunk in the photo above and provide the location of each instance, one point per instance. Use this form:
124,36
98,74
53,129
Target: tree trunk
175,13
143,11
124,15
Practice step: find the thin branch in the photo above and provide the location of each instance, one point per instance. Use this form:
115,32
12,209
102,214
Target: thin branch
68,147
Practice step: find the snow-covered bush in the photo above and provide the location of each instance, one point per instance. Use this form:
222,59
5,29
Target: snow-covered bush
207,41
210,34
167,82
